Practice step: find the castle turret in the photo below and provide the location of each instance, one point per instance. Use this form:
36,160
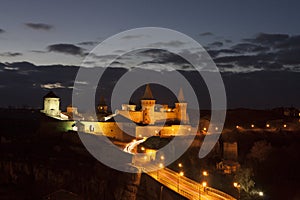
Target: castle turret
148,103
51,105
181,108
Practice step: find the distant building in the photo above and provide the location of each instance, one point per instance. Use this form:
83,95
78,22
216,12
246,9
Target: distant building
287,111
229,164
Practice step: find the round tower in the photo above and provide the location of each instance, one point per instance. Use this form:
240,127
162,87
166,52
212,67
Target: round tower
51,104
181,108
148,103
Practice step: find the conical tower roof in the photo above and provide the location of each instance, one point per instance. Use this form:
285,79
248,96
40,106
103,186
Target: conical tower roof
180,96
102,101
50,95
148,93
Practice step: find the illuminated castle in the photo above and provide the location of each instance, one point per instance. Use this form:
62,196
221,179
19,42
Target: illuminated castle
151,113
150,119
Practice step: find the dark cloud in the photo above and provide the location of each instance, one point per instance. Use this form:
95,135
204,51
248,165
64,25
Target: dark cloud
288,56
226,66
164,57
249,47
206,34
133,36
268,39
265,51
154,53
70,49
39,26
239,59
10,54
215,53
215,44
254,89
228,41
291,42
2,31
173,43
88,43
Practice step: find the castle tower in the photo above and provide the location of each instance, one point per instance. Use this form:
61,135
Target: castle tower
102,107
51,105
181,108
148,103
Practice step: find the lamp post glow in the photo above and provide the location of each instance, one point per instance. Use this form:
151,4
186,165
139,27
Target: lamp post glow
157,171
238,186
179,175
204,185
205,173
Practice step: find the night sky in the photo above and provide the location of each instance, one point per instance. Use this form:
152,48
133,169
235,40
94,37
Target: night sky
255,44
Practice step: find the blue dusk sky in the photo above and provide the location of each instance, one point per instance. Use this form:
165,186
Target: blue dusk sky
255,42
28,28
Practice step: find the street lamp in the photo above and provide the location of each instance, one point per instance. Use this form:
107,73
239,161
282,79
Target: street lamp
157,171
238,187
180,165
204,185
261,194
179,175
205,173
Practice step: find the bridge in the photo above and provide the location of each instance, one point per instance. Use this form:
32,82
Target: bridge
186,187
175,181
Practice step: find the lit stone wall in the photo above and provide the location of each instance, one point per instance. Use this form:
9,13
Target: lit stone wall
135,116
51,106
109,129
147,131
